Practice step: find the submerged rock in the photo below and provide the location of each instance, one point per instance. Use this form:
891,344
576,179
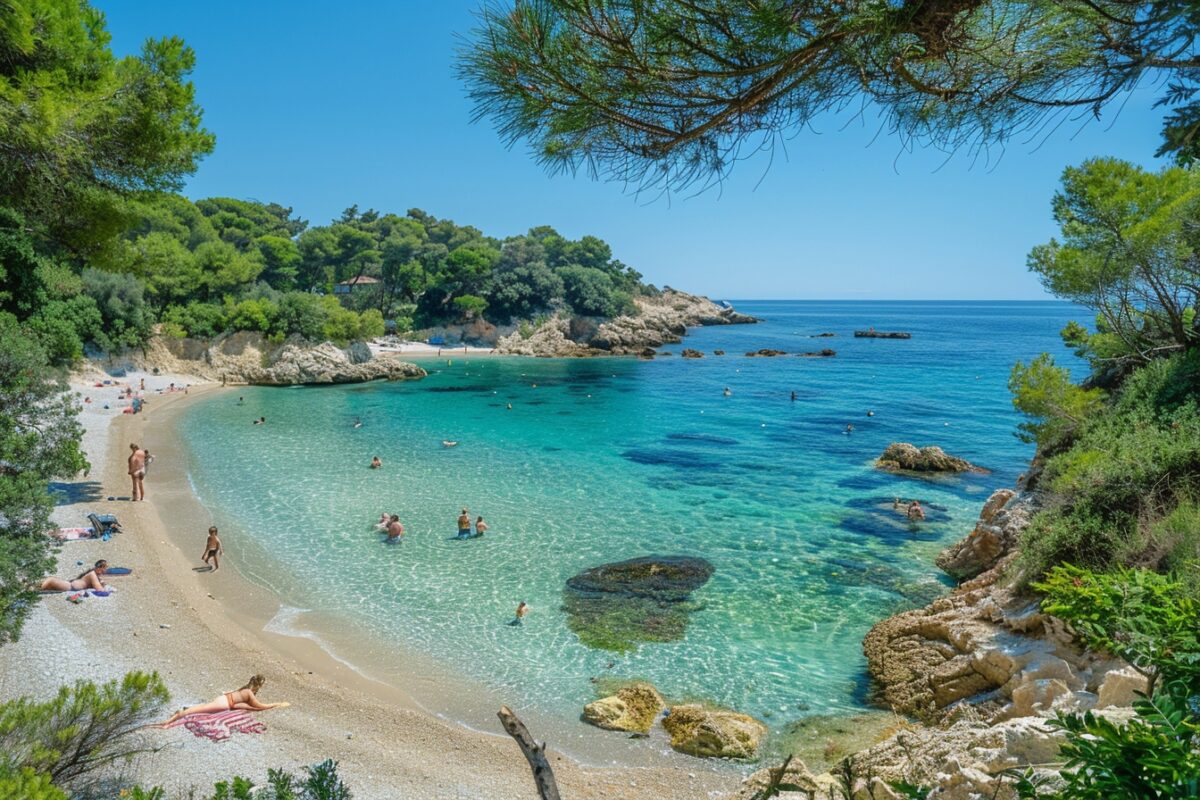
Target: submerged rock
711,733
826,353
904,456
766,352
690,353
633,708
618,606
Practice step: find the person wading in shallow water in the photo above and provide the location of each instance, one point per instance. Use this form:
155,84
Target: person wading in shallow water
137,471
522,610
464,525
212,549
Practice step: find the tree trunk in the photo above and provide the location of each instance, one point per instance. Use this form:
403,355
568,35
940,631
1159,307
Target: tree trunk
535,754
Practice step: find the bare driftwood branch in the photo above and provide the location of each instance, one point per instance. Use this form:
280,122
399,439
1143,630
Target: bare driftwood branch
535,753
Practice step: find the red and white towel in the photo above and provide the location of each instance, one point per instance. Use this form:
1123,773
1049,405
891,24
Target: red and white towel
220,726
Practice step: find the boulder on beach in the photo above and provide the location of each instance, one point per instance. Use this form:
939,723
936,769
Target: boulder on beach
690,353
713,733
632,709
618,606
902,456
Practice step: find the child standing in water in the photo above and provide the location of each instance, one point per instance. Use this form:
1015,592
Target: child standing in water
212,549
522,610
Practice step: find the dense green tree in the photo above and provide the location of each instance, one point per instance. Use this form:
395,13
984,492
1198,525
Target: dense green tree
672,91
590,291
82,129
523,291
1128,252
39,441
125,318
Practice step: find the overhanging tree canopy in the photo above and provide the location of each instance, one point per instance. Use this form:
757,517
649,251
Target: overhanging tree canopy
673,91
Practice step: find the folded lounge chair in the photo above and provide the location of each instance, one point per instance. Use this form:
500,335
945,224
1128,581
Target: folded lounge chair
104,523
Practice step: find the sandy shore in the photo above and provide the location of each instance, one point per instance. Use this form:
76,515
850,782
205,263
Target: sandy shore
203,632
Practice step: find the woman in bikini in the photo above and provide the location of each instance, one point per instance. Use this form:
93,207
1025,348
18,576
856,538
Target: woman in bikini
86,580
242,699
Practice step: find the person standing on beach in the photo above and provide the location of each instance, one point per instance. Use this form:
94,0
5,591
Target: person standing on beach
137,471
464,525
212,549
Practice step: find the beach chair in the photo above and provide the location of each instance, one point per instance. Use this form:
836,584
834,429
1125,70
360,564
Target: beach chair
104,523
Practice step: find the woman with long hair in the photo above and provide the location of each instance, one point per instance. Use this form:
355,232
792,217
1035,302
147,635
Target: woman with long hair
84,580
243,699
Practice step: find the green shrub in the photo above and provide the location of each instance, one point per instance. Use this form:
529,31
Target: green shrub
301,314
126,319
199,320
251,315
84,728
1142,617
1155,755
26,784
1057,407
1128,467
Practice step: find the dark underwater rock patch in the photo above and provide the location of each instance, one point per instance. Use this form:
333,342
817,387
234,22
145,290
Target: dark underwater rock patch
680,459
620,605
701,438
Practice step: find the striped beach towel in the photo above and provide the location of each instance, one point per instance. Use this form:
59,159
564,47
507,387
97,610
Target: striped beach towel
220,726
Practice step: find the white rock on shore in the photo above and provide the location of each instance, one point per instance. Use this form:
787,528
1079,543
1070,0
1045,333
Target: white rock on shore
249,358
659,320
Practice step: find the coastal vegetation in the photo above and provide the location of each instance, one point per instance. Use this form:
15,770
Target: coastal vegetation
96,248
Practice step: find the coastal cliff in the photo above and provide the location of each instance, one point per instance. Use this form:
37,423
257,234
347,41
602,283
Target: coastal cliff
250,358
661,319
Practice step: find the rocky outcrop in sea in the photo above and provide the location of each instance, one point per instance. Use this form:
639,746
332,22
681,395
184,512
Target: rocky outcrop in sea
250,358
661,319
902,456
983,669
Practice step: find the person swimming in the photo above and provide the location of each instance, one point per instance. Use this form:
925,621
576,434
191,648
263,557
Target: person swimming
849,428
81,582
384,519
395,531
481,527
357,423
870,413
522,610
375,462
727,392
915,512
260,421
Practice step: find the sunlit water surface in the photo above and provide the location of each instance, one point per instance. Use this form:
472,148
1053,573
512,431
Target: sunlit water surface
605,459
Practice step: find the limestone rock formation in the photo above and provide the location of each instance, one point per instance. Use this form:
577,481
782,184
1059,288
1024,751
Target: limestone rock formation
711,733
797,774
249,358
633,709
690,353
766,352
906,457
826,353
659,320
994,536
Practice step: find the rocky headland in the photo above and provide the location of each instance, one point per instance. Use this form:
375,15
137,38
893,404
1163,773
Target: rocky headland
661,319
981,670
252,359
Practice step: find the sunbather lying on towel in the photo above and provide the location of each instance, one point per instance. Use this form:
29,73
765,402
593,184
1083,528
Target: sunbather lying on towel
85,580
243,699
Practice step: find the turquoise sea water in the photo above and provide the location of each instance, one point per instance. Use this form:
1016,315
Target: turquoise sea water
605,459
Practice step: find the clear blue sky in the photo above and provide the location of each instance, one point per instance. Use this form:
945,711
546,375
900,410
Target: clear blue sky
323,105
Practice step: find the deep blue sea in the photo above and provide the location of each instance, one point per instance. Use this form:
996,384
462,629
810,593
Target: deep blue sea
605,459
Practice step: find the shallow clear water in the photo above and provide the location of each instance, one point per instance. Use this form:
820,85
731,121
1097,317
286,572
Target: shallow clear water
606,459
